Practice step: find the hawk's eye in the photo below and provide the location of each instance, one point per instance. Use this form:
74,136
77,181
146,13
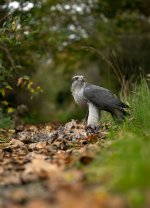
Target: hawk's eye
75,78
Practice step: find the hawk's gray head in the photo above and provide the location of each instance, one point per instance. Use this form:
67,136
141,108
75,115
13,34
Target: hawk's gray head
78,81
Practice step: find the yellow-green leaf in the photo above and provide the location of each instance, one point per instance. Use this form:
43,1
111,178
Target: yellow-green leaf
10,110
4,102
9,87
2,91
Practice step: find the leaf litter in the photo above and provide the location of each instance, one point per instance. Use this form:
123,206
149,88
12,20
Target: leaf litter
40,166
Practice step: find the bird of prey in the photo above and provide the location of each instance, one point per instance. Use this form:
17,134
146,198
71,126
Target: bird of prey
96,99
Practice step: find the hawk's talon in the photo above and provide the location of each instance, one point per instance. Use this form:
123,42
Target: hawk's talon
92,129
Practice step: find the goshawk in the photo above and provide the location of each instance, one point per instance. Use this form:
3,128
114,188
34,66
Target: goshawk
96,99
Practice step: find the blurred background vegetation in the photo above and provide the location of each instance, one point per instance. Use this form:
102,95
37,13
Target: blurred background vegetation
44,43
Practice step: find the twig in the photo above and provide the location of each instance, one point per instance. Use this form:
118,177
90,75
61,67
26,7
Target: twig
5,17
4,48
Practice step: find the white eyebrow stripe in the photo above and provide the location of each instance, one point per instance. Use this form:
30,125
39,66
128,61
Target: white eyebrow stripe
78,77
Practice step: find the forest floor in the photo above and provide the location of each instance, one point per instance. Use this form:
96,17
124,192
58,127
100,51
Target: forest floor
44,166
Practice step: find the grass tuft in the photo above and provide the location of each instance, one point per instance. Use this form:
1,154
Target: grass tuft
140,104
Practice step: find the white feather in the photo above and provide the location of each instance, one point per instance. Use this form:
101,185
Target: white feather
77,92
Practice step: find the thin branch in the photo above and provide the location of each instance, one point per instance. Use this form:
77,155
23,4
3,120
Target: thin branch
5,17
5,49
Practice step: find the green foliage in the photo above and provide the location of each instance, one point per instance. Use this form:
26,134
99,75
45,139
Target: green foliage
5,120
124,167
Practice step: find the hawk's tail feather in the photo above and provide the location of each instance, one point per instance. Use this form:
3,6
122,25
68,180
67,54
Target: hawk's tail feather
125,113
124,105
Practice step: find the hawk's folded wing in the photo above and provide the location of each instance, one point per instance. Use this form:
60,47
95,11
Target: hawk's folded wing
102,97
